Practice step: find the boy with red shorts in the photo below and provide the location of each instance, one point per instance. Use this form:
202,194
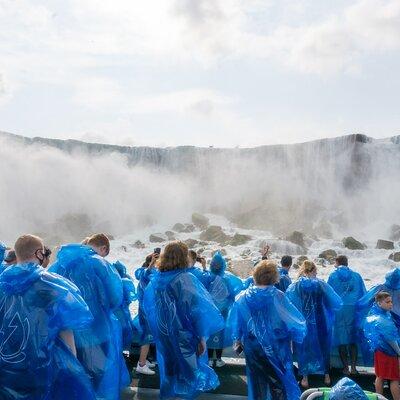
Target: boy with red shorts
384,338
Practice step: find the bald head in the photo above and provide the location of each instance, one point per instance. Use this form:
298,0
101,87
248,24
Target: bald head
26,248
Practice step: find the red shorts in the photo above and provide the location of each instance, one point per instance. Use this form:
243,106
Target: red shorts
386,367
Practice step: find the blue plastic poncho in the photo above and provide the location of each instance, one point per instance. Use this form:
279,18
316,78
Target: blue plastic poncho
122,312
247,282
200,274
346,389
284,279
180,311
265,321
35,306
223,287
318,302
380,330
99,346
144,276
350,287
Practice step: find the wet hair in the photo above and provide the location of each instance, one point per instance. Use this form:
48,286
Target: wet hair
381,296
26,246
307,267
174,256
342,260
266,273
98,240
286,261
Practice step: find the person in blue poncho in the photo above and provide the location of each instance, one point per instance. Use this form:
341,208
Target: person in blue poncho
346,389
144,275
38,312
122,312
350,287
99,346
318,302
284,278
181,316
383,337
263,322
200,274
223,287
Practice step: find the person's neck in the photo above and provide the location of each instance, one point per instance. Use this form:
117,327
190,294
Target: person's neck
28,261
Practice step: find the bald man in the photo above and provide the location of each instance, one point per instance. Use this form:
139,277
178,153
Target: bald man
38,312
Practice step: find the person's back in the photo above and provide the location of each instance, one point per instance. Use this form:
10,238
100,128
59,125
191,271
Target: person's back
99,346
36,308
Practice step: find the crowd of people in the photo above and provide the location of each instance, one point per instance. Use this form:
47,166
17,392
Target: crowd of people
64,327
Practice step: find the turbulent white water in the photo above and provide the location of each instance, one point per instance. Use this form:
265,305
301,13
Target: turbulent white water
371,263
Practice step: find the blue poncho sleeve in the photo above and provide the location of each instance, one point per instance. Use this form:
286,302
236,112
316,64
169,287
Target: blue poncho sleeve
346,389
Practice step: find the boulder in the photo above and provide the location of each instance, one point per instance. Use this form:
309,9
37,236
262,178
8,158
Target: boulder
178,227
138,245
170,235
395,256
239,239
350,243
384,244
328,255
200,220
395,232
158,238
297,238
191,242
241,268
214,233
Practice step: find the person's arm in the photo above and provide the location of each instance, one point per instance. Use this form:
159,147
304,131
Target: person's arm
68,338
395,346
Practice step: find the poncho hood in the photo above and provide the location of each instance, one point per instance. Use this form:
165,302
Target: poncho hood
218,264
343,273
346,389
392,279
20,277
256,296
309,284
73,251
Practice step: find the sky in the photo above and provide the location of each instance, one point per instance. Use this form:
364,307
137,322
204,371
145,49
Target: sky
223,73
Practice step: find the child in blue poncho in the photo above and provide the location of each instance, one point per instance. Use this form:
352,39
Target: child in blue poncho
99,346
122,312
38,312
384,339
263,322
317,302
223,287
181,315
350,287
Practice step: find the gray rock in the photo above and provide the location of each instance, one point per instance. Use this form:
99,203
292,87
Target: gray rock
239,239
200,220
178,227
138,245
297,238
170,235
189,228
395,232
214,233
191,242
395,256
328,255
384,244
350,243
158,238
